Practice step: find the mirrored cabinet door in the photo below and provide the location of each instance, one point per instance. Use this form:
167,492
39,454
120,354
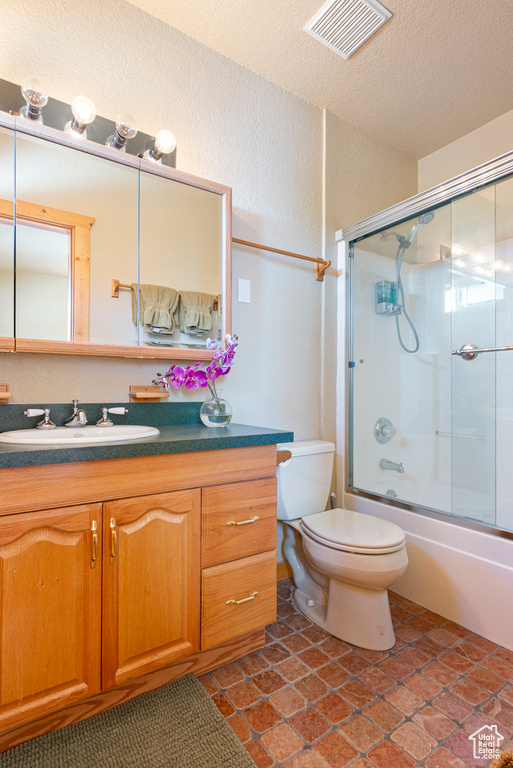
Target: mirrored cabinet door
181,264
6,240
76,230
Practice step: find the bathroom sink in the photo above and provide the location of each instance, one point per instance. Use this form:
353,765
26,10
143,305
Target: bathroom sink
74,436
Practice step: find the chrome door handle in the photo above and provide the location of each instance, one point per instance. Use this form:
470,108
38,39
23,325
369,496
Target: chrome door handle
470,351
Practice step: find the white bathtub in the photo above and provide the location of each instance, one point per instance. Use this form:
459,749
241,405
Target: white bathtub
464,575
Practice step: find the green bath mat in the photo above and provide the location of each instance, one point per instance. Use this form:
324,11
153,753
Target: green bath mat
176,726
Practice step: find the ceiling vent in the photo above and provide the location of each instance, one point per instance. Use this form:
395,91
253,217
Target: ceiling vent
344,25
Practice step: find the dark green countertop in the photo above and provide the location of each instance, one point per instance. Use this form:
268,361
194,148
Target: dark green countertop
179,425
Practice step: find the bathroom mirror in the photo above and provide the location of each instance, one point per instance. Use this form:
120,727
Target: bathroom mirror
91,225
7,241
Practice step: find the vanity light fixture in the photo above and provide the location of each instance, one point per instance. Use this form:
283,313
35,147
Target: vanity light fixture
84,113
165,143
125,129
35,99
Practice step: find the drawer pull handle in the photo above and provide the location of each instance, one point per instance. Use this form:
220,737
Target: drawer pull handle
113,540
244,522
95,544
245,600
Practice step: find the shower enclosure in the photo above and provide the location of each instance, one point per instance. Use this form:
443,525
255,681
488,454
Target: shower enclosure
431,350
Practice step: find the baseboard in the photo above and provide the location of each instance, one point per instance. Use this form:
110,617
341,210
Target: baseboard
283,571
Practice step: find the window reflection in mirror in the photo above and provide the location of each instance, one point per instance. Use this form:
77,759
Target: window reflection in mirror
87,189
180,255
7,241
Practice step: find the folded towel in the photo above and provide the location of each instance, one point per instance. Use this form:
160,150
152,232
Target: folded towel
195,312
157,307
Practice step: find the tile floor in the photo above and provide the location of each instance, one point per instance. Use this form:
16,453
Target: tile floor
308,700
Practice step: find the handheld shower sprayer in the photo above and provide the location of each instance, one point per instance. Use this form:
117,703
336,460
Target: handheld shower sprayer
404,244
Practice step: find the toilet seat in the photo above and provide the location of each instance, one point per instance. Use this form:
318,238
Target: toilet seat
350,531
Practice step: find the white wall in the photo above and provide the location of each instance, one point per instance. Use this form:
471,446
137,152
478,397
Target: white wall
479,146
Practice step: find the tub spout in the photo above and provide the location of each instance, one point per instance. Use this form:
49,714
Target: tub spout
386,464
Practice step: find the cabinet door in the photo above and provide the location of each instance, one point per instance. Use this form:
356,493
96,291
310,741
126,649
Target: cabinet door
50,615
151,583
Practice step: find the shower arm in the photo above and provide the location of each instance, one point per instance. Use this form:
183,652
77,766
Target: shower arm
470,351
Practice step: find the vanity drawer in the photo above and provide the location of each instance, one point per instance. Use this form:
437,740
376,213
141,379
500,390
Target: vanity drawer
223,586
238,520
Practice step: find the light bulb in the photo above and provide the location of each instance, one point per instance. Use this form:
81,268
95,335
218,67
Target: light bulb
165,143
125,129
35,98
84,113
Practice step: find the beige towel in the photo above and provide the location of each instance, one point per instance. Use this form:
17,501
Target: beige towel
157,307
195,312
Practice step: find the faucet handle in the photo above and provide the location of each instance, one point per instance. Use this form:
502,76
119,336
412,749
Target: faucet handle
33,412
46,423
118,410
104,421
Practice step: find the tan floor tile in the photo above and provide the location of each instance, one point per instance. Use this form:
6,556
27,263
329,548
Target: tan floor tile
467,691
309,724
416,658
240,728
252,664
435,723
360,732
356,693
261,716
384,715
268,681
423,686
260,756
243,694
498,667
275,653
223,705
311,687
333,674
485,679
414,740
442,758
305,759
396,667
335,750
292,669
313,658
439,672
282,742
404,700
453,707
388,755
334,708
287,701
378,680
227,675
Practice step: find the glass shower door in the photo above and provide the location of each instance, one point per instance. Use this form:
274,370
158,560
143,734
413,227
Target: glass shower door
474,293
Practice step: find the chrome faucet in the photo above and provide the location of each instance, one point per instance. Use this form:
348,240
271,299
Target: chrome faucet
386,464
77,418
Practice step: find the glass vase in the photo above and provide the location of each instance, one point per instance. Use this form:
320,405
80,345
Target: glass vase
216,412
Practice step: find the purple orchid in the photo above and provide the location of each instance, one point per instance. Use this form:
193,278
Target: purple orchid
194,377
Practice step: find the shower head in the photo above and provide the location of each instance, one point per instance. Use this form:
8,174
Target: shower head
424,218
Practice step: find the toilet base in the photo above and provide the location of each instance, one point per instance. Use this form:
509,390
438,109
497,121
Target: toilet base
355,615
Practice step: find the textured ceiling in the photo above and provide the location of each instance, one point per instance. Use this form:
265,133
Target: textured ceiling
437,70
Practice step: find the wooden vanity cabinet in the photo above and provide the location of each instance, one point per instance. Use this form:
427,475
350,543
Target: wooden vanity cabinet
150,583
50,610
126,574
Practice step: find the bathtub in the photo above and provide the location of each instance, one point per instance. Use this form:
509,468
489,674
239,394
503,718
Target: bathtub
463,574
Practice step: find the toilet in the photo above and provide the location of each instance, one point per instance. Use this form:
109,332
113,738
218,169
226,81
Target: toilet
342,562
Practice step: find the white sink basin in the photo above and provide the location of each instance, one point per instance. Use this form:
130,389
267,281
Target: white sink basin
74,436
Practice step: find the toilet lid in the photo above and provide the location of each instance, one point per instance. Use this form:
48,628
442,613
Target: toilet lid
353,531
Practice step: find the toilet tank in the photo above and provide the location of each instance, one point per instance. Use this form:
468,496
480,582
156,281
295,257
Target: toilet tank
304,480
